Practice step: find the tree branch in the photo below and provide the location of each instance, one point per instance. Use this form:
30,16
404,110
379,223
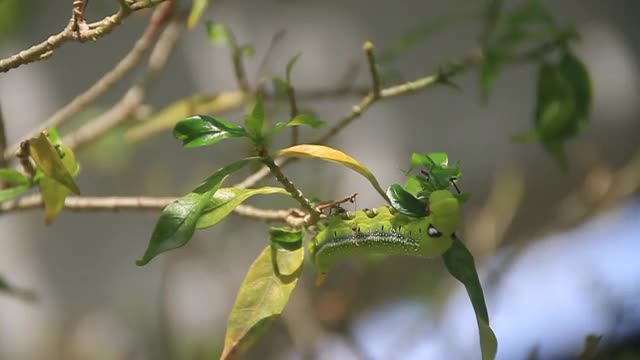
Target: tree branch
45,49
105,83
134,97
142,203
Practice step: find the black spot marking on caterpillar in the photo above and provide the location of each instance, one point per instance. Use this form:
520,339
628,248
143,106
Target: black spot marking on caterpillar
433,232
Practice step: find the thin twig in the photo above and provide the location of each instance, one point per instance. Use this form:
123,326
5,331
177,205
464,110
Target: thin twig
45,49
3,140
350,199
238,70
454,69
373,67
266,59
142,203
134,97
293,104
107,80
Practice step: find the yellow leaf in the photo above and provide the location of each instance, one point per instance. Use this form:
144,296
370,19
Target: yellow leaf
54,193
49,161
333,155
261,299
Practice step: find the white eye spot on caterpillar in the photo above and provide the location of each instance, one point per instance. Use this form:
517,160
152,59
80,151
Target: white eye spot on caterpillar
433,232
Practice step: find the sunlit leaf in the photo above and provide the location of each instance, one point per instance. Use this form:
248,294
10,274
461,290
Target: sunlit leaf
225,200
261,299
202,130
461,265
197,9
54,193
333,155
48,160
405,202
178,220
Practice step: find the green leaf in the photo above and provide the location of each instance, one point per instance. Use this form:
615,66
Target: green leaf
302,119
306,119
220,35
405,202
285,235
202,130
13,177
10,193
48,160
461,265
261,299
197,9
413,185
54,193
254,121
333,155
290,65
590,350
287,250
225,200
178,220
576,73
517,27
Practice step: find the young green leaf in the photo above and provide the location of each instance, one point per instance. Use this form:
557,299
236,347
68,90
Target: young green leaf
461,265
178,220
220,35
225,200
197,9
290,65
302,119
202,130
54,193
49,161
405,202
307,120
254,121
333,155
261,299
13,177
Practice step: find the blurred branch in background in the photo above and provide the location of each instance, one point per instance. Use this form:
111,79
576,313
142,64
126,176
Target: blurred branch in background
134,97
74,32
107,81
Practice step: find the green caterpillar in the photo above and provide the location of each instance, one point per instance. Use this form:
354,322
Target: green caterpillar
383,231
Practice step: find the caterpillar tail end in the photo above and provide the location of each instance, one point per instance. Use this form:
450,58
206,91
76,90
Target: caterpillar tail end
321,278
